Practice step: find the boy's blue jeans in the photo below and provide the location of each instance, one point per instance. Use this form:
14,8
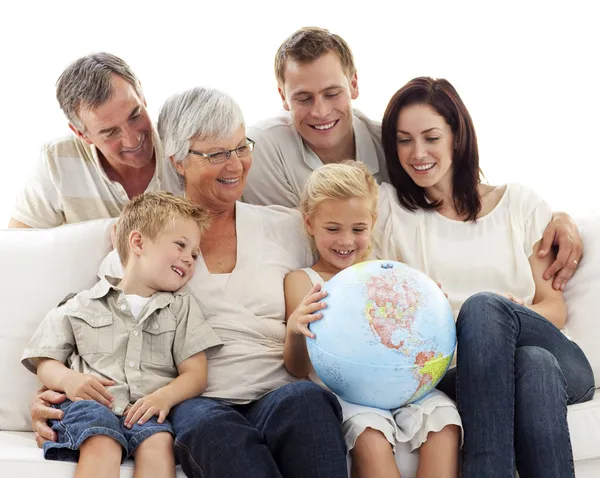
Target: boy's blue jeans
292,432
516,373
86,418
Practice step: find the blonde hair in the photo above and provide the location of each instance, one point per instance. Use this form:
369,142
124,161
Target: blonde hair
342,181
308,44
153,213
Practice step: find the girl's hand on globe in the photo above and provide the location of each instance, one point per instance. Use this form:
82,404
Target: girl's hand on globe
439,284
307,312
516,300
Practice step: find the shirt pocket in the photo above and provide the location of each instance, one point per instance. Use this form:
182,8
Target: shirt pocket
93,334
158,338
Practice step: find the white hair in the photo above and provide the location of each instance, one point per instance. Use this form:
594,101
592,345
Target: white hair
203,114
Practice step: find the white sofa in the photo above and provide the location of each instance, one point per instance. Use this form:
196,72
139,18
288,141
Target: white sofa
41,266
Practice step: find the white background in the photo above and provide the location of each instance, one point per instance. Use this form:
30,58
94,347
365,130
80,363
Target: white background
526,70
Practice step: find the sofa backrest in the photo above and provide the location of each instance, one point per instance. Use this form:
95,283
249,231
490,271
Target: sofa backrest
38,268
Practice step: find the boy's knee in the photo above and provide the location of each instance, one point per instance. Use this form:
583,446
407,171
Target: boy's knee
156,445
103,445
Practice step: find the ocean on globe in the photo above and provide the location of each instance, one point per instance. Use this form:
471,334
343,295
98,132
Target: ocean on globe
387,335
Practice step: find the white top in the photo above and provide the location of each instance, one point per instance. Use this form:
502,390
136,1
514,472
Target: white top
68,184
248,314
491,255
136,304
221,279
281,162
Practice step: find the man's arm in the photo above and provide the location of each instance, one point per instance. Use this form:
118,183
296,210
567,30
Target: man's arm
561,232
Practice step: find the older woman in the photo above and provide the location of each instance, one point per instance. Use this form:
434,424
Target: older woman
255,419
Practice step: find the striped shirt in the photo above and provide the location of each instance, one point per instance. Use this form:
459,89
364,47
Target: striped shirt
68,185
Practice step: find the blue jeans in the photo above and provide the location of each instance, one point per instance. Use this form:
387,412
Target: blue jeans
292,432
515,375
86,418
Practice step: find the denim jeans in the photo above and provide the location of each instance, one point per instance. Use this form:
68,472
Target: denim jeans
292,432
515,375
86,418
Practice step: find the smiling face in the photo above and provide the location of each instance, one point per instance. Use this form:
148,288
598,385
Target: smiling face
216,186
425,146
120,128
168,263
318,95
341,229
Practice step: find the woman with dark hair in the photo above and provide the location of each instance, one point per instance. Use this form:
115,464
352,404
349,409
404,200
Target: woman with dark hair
516,370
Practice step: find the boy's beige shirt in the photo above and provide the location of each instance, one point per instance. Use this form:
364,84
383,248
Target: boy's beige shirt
95,333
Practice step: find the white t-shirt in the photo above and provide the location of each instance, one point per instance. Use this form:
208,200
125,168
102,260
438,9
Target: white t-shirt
281,162
491,255
136,304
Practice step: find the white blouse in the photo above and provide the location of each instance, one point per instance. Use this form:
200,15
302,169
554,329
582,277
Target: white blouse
491,255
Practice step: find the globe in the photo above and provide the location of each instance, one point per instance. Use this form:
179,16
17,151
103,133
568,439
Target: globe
387,335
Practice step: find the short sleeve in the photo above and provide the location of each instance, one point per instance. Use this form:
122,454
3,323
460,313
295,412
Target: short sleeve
267,182
53,339
193,334
536,214
39,204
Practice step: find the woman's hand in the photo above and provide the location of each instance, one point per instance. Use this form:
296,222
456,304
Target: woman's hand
307,312
41,411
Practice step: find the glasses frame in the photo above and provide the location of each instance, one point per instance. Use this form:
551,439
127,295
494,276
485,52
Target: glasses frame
210,156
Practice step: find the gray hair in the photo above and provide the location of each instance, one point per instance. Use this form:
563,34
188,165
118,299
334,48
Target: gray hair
87,83
200,114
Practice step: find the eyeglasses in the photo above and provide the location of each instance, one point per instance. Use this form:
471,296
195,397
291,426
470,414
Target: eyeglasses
221,156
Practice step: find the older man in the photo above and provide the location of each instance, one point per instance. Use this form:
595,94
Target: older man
114,154
317,82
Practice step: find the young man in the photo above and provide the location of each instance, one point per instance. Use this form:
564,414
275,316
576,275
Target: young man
126,351
114,154
317,82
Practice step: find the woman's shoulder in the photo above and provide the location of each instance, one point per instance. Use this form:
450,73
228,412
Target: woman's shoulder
270,213
523,200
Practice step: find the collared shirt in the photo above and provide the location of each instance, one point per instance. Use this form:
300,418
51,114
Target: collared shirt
69,184
95,333
282,161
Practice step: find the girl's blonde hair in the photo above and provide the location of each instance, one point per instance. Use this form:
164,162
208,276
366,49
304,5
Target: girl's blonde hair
346,180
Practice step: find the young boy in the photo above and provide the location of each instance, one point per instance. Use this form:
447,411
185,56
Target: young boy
127,351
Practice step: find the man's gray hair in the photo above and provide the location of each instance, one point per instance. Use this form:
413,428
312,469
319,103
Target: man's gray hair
87,83
198,114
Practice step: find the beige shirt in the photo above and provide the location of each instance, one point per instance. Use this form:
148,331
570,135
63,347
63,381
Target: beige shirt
95,333
68,185
282,162
247,311
491,255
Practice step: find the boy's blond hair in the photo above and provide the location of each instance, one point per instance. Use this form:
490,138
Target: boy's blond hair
346,180
151,214
308,44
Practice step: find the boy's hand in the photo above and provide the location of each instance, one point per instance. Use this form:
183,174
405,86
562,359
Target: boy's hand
156,403
82,386
307,312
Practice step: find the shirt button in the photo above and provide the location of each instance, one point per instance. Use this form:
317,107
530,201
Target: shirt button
136,333
155,326
118,410
123,307
131,364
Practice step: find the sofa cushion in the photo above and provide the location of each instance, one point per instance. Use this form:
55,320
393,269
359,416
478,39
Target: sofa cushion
39,268
582,293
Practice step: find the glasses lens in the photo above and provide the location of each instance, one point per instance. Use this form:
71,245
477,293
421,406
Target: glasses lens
243,150
218,157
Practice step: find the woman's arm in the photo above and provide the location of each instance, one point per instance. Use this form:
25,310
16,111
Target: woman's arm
301,308
548,302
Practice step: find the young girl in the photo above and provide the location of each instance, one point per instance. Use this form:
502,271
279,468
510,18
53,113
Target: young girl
339,207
